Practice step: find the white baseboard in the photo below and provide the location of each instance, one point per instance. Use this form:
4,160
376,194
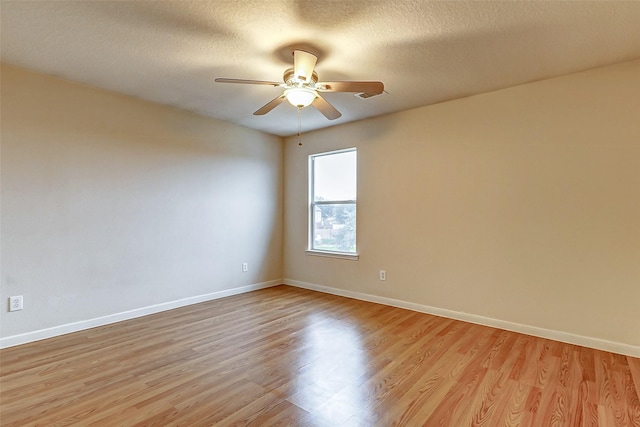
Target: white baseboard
600,344
41,334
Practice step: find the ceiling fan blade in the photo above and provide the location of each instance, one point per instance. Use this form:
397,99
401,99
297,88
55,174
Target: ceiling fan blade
325,108
270,105
373,88
248,82
303,63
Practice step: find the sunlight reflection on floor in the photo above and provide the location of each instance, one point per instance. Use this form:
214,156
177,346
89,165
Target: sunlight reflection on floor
336,364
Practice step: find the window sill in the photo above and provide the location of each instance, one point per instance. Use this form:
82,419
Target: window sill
339,255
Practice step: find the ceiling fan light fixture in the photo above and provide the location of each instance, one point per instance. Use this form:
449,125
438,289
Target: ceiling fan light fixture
300,96
302,88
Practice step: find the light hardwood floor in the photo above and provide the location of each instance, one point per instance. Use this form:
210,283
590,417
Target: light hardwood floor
287,356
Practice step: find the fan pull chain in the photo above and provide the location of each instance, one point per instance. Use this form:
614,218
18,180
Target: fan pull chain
299,126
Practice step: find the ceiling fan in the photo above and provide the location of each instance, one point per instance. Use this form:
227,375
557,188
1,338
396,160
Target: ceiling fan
301,87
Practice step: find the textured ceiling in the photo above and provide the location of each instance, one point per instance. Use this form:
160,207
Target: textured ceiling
425,52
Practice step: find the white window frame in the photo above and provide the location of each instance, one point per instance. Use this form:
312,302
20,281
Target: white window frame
312,204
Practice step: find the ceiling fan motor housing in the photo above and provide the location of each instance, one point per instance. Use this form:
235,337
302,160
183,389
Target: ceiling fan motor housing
291,80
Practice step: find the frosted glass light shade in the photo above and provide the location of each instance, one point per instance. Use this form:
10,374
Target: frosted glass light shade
300,96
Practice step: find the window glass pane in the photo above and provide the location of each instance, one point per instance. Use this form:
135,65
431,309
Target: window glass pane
334,227
335,177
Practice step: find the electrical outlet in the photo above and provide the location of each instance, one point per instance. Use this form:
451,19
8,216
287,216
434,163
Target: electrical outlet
383,275
15,303
245,267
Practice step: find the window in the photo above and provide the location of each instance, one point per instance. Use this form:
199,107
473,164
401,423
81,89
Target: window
332,191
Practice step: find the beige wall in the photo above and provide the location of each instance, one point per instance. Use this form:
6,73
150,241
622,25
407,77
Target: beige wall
521,205
111,204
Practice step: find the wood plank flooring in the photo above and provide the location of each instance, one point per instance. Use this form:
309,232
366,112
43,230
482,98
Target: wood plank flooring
287,356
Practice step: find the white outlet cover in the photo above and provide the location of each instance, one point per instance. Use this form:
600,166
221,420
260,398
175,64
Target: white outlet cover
15,303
